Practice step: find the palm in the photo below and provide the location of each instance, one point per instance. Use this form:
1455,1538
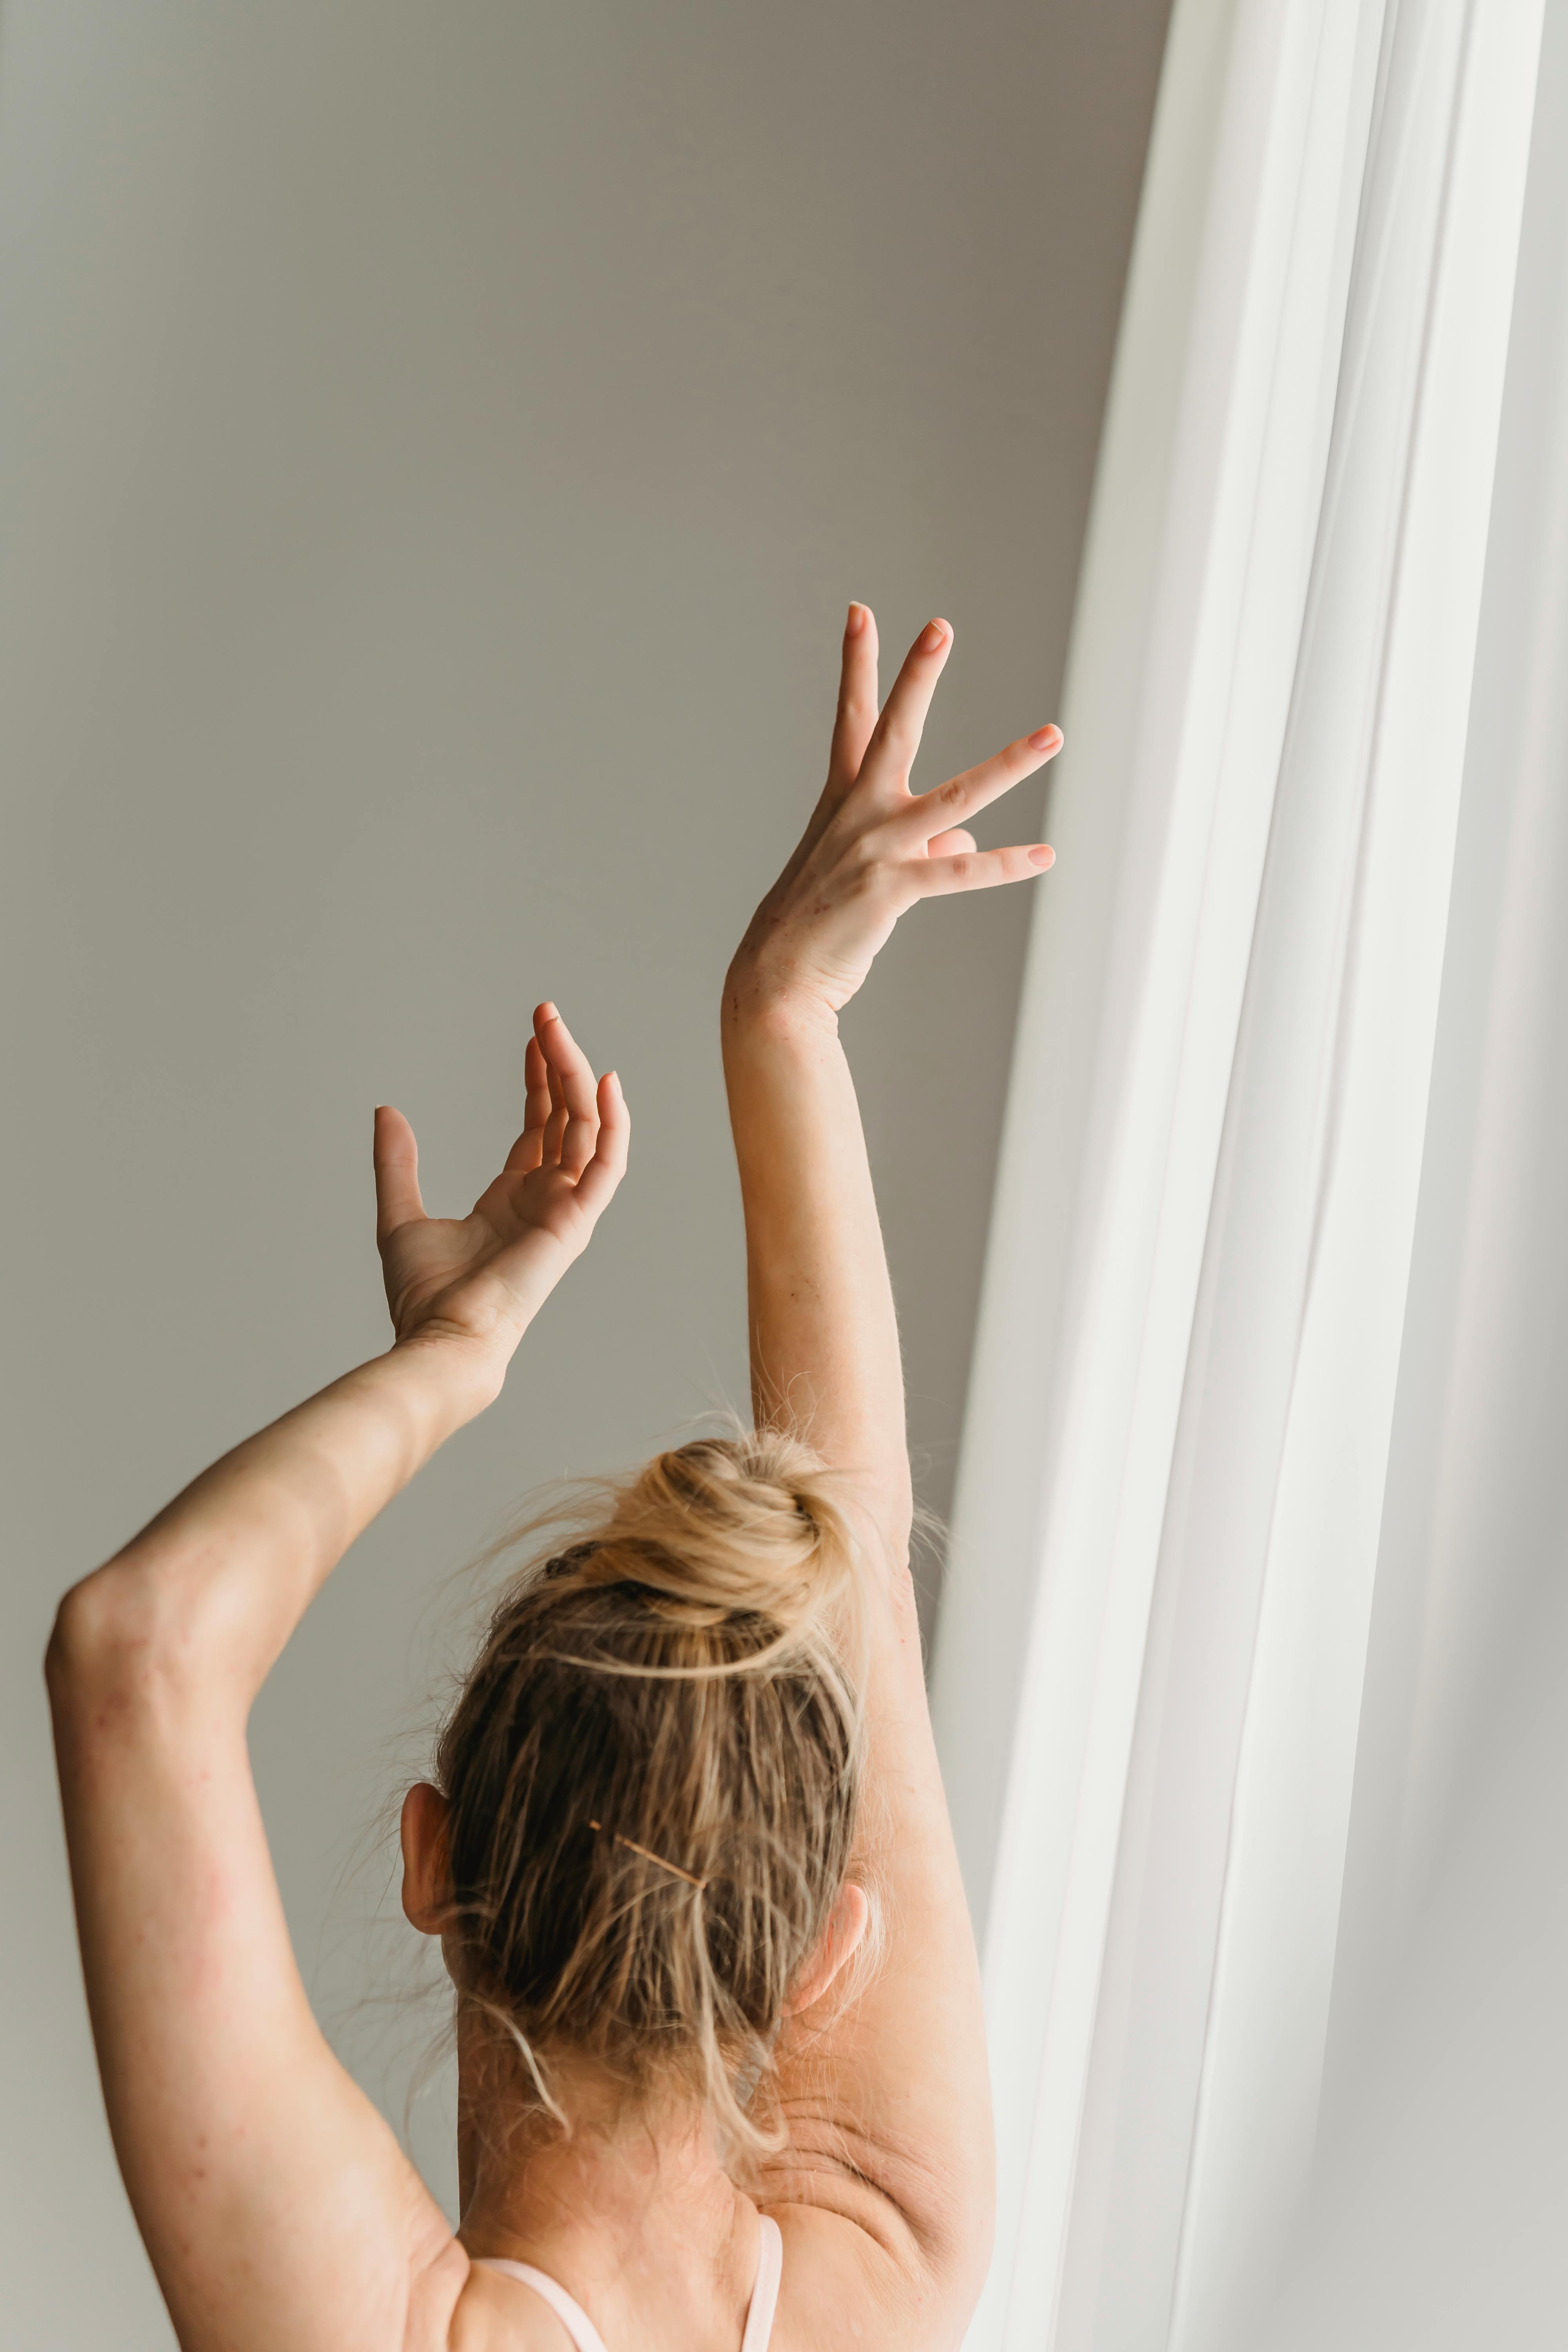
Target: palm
486,1273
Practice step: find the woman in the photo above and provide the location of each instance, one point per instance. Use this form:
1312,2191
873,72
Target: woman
692,1761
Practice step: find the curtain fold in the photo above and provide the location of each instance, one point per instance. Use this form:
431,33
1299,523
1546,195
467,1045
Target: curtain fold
1148,1667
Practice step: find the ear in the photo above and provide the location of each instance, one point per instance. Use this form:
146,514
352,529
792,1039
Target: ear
426,1880
837,1944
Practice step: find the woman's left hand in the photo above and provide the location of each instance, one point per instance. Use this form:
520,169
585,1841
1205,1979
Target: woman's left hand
484,1276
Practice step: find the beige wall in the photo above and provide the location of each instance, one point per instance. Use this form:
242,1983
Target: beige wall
438,444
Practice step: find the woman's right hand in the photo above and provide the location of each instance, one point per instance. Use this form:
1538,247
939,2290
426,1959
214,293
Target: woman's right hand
483,1277
873,846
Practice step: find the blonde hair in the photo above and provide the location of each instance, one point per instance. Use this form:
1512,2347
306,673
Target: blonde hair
652,1775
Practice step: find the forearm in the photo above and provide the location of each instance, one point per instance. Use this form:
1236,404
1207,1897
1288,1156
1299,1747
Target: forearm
203,1598
209,1591
823,1333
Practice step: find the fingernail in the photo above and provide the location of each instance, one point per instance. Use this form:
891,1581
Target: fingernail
934,635
857,621
1044,738
1042,857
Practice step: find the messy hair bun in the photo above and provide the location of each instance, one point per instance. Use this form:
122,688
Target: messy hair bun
652,1777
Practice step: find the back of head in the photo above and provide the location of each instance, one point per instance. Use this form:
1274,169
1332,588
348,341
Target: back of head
652,1774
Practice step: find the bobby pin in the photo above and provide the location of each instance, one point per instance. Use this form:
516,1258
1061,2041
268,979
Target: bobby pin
673,1867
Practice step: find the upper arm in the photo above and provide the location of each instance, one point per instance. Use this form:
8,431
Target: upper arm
275,2202
887,2096
885,2086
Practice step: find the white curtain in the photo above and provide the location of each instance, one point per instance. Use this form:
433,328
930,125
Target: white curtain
1149,1665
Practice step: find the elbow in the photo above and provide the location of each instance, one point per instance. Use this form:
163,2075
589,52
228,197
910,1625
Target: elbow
93,1641
116,1644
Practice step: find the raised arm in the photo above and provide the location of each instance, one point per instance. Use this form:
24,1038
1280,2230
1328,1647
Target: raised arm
276,2205
889,2107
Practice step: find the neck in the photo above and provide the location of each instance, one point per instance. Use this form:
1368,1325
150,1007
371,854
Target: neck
622,2181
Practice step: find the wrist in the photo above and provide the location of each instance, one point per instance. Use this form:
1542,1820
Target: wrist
761,1004
462,1372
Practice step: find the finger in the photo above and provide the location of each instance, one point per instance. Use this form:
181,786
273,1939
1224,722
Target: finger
980,870
555,1125
951,844
571,1071
396,1156
528,1151
536,1086
890,754
555,1118
608,1165
852,726
933,813
857,715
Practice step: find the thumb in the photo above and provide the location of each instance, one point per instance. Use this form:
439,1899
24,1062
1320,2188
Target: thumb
395,1155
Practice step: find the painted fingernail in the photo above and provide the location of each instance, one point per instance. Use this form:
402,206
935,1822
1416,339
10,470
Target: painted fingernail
934,635
1045,738
1042,855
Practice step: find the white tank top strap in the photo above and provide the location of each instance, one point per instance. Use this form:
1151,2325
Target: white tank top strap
586,2336
765,2294
571,2315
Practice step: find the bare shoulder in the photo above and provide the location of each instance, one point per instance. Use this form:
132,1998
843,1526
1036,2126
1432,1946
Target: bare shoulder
458,2307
